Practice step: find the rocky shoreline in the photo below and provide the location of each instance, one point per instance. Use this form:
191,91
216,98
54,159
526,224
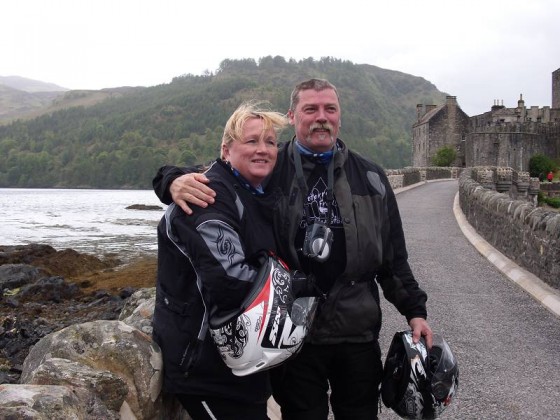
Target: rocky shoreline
43,290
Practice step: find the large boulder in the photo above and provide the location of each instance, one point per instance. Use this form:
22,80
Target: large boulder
105,386
49,402
112,354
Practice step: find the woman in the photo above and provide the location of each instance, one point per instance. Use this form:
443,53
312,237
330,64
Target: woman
204,262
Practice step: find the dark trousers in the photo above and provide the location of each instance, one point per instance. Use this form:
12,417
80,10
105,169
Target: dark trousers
353,370
202,408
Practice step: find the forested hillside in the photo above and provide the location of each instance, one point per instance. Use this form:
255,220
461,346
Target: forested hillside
121,141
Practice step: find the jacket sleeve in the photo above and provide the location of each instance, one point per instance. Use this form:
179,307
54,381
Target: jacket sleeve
210,241
163,179
395,275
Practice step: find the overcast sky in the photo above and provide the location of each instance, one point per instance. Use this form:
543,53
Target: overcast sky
477,50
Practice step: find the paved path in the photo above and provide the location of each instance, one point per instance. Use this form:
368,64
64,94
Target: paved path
506,341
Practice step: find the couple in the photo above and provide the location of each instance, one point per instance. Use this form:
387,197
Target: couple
323,209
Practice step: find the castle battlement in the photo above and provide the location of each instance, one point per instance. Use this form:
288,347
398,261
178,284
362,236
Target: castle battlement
505,137
511,127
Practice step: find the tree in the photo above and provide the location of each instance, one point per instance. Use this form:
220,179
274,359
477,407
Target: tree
540,165
445,156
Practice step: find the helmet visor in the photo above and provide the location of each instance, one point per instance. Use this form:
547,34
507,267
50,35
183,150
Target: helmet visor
443,367
303,311
444,360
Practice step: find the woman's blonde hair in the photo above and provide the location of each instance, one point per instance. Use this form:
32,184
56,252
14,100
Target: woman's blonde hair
233,130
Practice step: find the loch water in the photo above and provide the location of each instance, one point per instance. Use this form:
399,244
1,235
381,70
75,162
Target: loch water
92,221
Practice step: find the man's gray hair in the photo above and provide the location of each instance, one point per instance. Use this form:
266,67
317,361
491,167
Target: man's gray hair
315,84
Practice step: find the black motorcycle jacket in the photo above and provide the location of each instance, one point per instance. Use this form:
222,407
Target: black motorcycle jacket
205,260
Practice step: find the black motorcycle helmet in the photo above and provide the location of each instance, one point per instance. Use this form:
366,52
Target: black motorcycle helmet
419,383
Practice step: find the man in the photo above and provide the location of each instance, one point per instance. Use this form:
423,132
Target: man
335,216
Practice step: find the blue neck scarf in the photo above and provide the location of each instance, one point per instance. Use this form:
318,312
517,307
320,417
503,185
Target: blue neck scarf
258,190
322,158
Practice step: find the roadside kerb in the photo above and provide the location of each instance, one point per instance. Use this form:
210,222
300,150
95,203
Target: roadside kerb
542,292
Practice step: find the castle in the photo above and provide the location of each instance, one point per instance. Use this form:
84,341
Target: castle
504,137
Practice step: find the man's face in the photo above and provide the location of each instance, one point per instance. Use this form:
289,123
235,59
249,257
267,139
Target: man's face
316,119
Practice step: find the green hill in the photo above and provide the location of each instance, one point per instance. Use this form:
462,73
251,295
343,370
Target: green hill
118,138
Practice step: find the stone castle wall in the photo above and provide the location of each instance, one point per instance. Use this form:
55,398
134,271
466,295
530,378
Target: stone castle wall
446,128
510,144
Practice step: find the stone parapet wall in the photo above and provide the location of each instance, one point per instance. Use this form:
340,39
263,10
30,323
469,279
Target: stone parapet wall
526,234
399,178
551,189
518,185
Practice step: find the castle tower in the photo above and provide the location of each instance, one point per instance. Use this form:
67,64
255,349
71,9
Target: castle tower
521,110
556,89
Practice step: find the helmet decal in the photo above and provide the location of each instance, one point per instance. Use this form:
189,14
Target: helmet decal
262,300
281,283
279,328
233,337
271,326
413,400
419,347
230,339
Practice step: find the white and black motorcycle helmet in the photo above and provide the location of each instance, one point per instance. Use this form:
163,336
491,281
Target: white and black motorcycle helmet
270,326
417,383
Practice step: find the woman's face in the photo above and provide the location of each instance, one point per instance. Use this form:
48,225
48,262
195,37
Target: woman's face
254,154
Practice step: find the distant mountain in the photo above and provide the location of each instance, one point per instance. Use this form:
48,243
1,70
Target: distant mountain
21,97
30,85
117,138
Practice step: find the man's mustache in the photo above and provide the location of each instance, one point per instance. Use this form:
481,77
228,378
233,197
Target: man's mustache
318,126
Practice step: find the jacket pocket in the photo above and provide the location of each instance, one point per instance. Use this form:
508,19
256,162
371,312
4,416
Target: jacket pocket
352,311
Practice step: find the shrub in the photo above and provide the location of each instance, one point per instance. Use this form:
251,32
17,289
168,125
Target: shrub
551,201
444,156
